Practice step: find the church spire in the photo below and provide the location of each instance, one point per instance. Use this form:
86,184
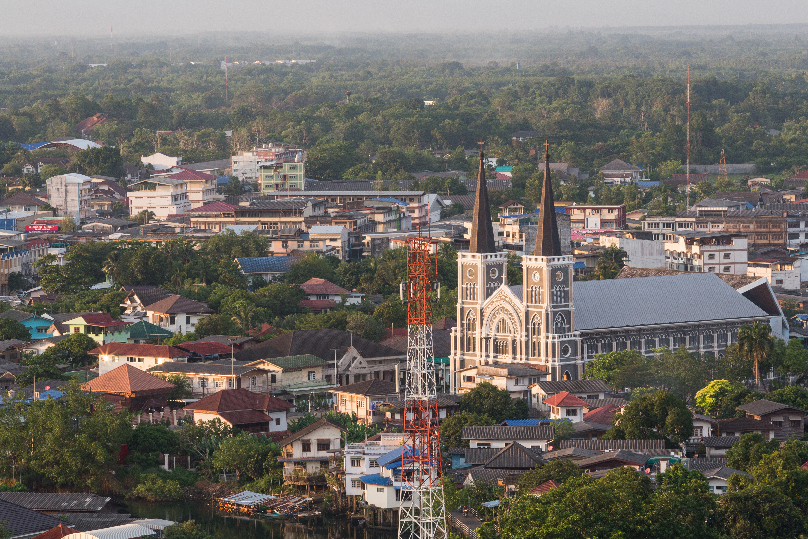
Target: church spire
482,231
547,241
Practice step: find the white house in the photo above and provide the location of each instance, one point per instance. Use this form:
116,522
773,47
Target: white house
243,409
161,161
383,489
316,288
583,389
565,405
308,450
331,237
177,314
70,195
360,459
498,436
163,196
717,478
140,356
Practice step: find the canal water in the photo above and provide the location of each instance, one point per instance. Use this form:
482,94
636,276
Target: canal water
229,527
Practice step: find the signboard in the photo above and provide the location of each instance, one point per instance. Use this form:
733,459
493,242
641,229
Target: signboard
42,228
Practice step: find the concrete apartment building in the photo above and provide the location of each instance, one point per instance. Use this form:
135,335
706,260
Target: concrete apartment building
597,216
780,272
280,214
162,195
642,253
70,195
714,252
200,186
246,166
280,176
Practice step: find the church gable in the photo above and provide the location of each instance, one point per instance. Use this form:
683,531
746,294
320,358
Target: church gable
504,295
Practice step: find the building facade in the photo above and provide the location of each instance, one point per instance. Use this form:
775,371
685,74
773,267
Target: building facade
163,196
70,195
597,216
715,252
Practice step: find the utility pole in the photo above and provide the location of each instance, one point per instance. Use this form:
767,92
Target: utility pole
687,169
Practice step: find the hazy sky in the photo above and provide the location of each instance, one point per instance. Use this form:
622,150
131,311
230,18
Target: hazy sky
302,17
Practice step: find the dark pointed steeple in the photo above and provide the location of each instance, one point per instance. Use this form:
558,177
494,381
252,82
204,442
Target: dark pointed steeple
547,241
482,231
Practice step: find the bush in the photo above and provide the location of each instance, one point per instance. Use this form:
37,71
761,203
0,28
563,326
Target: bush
155,489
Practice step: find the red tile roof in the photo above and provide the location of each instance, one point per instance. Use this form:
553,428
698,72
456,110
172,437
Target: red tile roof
210,348
56,533
143,350
321,286
544,488
233,400
187,175
88,124
603,415
176,304
243,417
214,207
128,380
564,398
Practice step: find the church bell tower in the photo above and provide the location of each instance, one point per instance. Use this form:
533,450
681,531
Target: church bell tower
547,295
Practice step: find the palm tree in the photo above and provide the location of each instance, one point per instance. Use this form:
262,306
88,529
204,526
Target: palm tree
756,343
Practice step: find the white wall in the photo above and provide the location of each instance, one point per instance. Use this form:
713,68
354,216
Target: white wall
641,253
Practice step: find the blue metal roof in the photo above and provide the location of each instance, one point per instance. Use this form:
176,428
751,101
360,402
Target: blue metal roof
32,146
265,264
647,183
49,394
391,457
504,169
749,206
393,200
376,479
578,265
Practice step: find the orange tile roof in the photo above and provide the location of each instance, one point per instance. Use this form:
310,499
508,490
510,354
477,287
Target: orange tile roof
233,400
603,415
56,533
127,380
544,488
321,286
564,398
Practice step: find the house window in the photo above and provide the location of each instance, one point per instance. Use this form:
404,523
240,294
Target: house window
305,446
217,383
342,402
356,463
356,483
76,329
172,319
777,422
484,444
373,463
273,378
778,281
711,269
300,245
572,412
188,319
254,381
230,383
726,269
277,421
323,445
727,256
469,379
711,256
360,404
312,375
698,432
379,489
795,423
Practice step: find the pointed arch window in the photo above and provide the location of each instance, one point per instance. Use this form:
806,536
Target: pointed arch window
560,324
535,294
535,334
471,333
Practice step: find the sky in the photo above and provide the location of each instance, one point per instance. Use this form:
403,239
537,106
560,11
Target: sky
310,17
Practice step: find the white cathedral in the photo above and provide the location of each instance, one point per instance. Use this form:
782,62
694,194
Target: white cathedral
547,327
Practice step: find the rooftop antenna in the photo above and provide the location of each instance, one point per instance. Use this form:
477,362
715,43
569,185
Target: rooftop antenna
687,167
225,81
111,50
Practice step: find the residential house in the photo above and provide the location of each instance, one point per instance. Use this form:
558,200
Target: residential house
308,451
703,425
206,351
200,187
384,488
162,196
215,215
140,356
544,488
177,314
37,326
18,256
393,409
243,409
135,389
718,478
138,333
505,466
650,447
108,225
40,345
781,272
35,166
9,373
212,377
717,446
282,175
95,325
361,459
743,425
11,350
357,359
583,389
618,172
514,378
21,201
321,289
642,253
365,399
789,420
138,297
565,405
500,436
22,523
70,195
334,237
593,216
247,166
612,460
279,214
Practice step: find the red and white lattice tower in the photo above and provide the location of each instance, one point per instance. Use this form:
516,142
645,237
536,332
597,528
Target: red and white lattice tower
421,511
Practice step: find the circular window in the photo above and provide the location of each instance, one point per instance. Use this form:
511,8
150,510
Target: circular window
493,272
536,276
566,350
559,275
470,272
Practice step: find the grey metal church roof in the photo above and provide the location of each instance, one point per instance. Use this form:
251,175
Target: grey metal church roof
671,299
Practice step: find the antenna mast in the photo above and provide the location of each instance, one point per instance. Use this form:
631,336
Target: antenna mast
225,81
687,169
421,511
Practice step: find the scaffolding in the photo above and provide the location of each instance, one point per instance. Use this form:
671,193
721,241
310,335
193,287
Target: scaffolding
421,512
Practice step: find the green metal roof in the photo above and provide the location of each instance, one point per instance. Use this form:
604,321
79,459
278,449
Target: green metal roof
441,360
296,362
146,330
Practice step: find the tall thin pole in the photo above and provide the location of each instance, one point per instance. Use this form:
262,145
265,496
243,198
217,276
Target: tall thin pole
225,81
687,167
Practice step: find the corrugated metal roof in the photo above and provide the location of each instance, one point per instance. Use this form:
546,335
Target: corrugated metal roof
124,531
498,432
265,264
672,299
603,445
376,479
326,229
62,502
247,497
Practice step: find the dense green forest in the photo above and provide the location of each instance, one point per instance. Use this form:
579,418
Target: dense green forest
595,96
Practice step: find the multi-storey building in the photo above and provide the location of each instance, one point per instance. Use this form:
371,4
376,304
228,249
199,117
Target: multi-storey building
163,196
200,186
282,176
246,166
279,214
360,459
716,252
597,216
762,228
780,272
70,195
